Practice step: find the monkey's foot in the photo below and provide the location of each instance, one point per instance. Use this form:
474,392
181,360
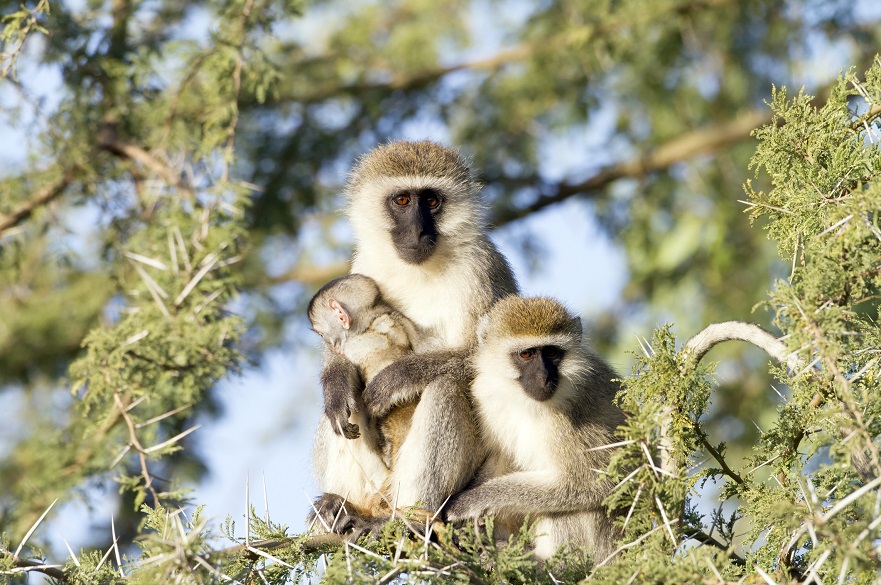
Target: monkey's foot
417,521
333,513
420,521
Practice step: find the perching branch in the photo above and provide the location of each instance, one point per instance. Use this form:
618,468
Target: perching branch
315,543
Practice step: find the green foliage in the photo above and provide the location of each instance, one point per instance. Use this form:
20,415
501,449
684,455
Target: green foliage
186,143
17,25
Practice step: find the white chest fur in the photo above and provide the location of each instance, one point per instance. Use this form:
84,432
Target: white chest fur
437,301
518,425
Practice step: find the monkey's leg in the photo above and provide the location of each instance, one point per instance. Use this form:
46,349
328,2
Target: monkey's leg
594,531
349,470
442,450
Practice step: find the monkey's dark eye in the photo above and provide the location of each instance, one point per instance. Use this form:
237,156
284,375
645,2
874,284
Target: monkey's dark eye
402,199
432,200
527,353
553,352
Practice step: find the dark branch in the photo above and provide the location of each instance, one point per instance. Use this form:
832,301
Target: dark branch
39,199
705,538
702,141
717,456
35,566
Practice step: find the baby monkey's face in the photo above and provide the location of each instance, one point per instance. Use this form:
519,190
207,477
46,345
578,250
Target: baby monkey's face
332,323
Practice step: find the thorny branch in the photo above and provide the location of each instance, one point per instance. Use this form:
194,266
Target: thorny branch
316,543
831,366
25,566
134,442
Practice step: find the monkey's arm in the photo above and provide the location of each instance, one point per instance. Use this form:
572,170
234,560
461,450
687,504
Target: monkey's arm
527,492
404,379
340,382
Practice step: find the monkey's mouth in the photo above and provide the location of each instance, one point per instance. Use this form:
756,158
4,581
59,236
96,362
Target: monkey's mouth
418,253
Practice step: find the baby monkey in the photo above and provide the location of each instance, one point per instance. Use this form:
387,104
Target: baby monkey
355,321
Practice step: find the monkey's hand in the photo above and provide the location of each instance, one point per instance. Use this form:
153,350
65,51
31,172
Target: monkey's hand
341,381
470,503
404,379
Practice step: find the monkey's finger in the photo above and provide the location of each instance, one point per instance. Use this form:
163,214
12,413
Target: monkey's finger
350,430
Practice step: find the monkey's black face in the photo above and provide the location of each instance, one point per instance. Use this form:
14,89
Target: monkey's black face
539,369
414,216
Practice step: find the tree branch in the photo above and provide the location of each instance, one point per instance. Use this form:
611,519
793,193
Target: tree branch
698,142
704,538
24,211
26,566
717,456
139,155
315,543
393,80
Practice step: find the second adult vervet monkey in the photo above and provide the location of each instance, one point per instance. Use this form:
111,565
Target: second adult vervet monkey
544,400
420,233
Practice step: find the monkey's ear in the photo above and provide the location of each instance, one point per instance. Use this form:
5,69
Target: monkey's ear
576,326
482,329
341,313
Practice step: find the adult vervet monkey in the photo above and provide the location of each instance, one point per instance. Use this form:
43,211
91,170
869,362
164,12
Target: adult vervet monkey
544,401
420,233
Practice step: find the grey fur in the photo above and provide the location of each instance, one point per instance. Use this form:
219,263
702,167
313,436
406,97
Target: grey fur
339,380
444,296
549,476
406,378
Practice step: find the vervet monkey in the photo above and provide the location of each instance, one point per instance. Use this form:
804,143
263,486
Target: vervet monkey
355,321
544,400
420,233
